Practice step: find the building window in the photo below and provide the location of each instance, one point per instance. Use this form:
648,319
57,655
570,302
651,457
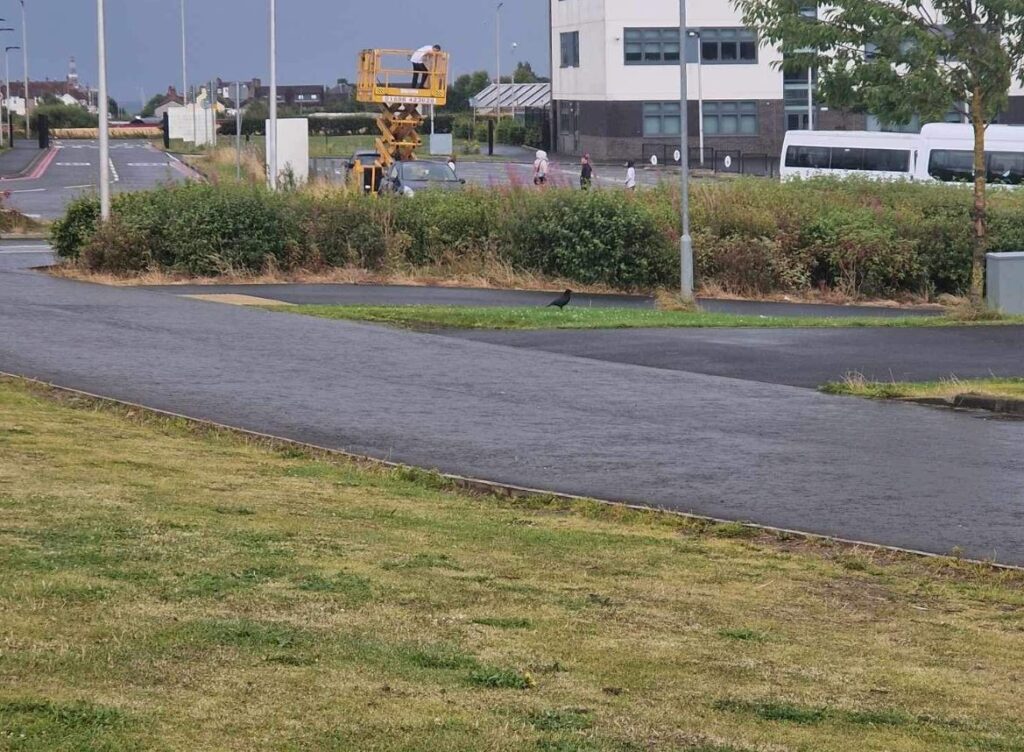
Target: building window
570,49
651,46
661,119
730,118
727,46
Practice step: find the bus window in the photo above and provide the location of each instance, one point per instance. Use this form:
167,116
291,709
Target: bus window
886,160
951,166
815,157
844,158
1006,167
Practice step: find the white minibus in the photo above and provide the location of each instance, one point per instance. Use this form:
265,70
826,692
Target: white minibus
946,154
870,154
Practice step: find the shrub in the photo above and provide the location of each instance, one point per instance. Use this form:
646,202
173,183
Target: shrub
751,236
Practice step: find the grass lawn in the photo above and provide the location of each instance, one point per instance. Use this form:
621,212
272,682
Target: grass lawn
166,587
1012,388
432,317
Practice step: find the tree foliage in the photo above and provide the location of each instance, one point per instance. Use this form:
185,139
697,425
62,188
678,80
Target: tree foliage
466,86
149,109
904,58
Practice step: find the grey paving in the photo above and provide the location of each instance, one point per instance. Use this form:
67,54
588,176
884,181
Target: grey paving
19,158
894,474
796,357
75,170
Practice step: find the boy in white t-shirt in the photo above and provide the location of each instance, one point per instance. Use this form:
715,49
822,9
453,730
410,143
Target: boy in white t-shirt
419,64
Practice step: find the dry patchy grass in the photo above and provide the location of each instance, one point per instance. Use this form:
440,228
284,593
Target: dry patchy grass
164,587
855,384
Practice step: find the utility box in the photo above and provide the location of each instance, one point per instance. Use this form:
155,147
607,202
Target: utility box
441,144
1005,282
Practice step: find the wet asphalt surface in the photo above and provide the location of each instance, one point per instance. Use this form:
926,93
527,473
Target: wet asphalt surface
795,357
888,473
74,171
349,294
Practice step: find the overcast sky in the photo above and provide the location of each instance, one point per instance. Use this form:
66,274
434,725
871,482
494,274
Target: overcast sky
317,39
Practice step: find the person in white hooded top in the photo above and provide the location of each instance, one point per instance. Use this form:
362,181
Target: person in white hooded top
540,168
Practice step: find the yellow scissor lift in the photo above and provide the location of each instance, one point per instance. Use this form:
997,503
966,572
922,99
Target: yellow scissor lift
385,78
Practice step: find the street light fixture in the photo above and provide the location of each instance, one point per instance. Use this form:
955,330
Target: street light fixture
272,130
184,63
497,52
24,68
7,79
7,96
685,240
104,111
695,34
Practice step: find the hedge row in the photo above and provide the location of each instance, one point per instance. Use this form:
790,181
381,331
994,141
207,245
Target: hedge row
749,235
352,125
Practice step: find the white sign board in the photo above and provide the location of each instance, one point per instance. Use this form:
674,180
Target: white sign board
292,150
192,124
441,144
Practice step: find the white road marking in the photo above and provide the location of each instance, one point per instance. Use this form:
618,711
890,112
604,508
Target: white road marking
148,164
13,251
30,190
73,164
113,172
72,187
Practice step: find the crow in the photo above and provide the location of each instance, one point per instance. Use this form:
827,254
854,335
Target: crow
561,301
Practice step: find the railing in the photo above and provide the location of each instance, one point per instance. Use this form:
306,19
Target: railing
385,76
723,161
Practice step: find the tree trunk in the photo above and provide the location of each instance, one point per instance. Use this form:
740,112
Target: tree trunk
979,212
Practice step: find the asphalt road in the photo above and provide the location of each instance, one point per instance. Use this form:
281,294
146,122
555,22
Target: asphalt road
795,357
889,473
74,169
348,294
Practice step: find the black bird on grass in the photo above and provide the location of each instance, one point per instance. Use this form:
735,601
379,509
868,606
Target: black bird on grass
561,301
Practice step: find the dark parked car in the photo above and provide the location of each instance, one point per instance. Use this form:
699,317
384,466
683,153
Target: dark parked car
408,178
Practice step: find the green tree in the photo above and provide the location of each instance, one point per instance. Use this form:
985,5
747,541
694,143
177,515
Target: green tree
466,86
149,109
60,115
901,58
523,74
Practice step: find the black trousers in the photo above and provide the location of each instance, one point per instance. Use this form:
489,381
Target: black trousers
417,68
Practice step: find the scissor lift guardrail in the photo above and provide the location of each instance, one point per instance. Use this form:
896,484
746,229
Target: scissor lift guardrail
381,81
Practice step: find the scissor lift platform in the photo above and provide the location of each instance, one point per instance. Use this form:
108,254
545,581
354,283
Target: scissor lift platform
385,78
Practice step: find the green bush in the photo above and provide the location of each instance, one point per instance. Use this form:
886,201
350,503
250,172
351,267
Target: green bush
750,236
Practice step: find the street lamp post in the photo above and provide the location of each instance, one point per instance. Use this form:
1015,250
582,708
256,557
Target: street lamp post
9,124
685,240
24,67
184,63
104,111
272,130
695,34
497,52
7,96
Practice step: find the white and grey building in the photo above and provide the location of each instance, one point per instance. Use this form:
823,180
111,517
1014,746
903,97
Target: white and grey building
615,82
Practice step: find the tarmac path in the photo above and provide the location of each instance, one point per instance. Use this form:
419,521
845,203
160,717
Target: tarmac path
895,474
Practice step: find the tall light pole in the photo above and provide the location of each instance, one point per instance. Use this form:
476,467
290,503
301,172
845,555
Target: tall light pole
695,34
101,34
685,240
184,59
497,53
9,124
272,130
7,96
24,67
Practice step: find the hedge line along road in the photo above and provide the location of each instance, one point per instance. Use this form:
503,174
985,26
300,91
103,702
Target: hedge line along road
73,169
896,474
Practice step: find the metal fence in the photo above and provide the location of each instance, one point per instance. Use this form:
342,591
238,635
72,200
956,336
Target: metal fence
725,161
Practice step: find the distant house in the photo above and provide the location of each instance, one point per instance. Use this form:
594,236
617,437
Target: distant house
306,96
340,92
69,93
171,99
